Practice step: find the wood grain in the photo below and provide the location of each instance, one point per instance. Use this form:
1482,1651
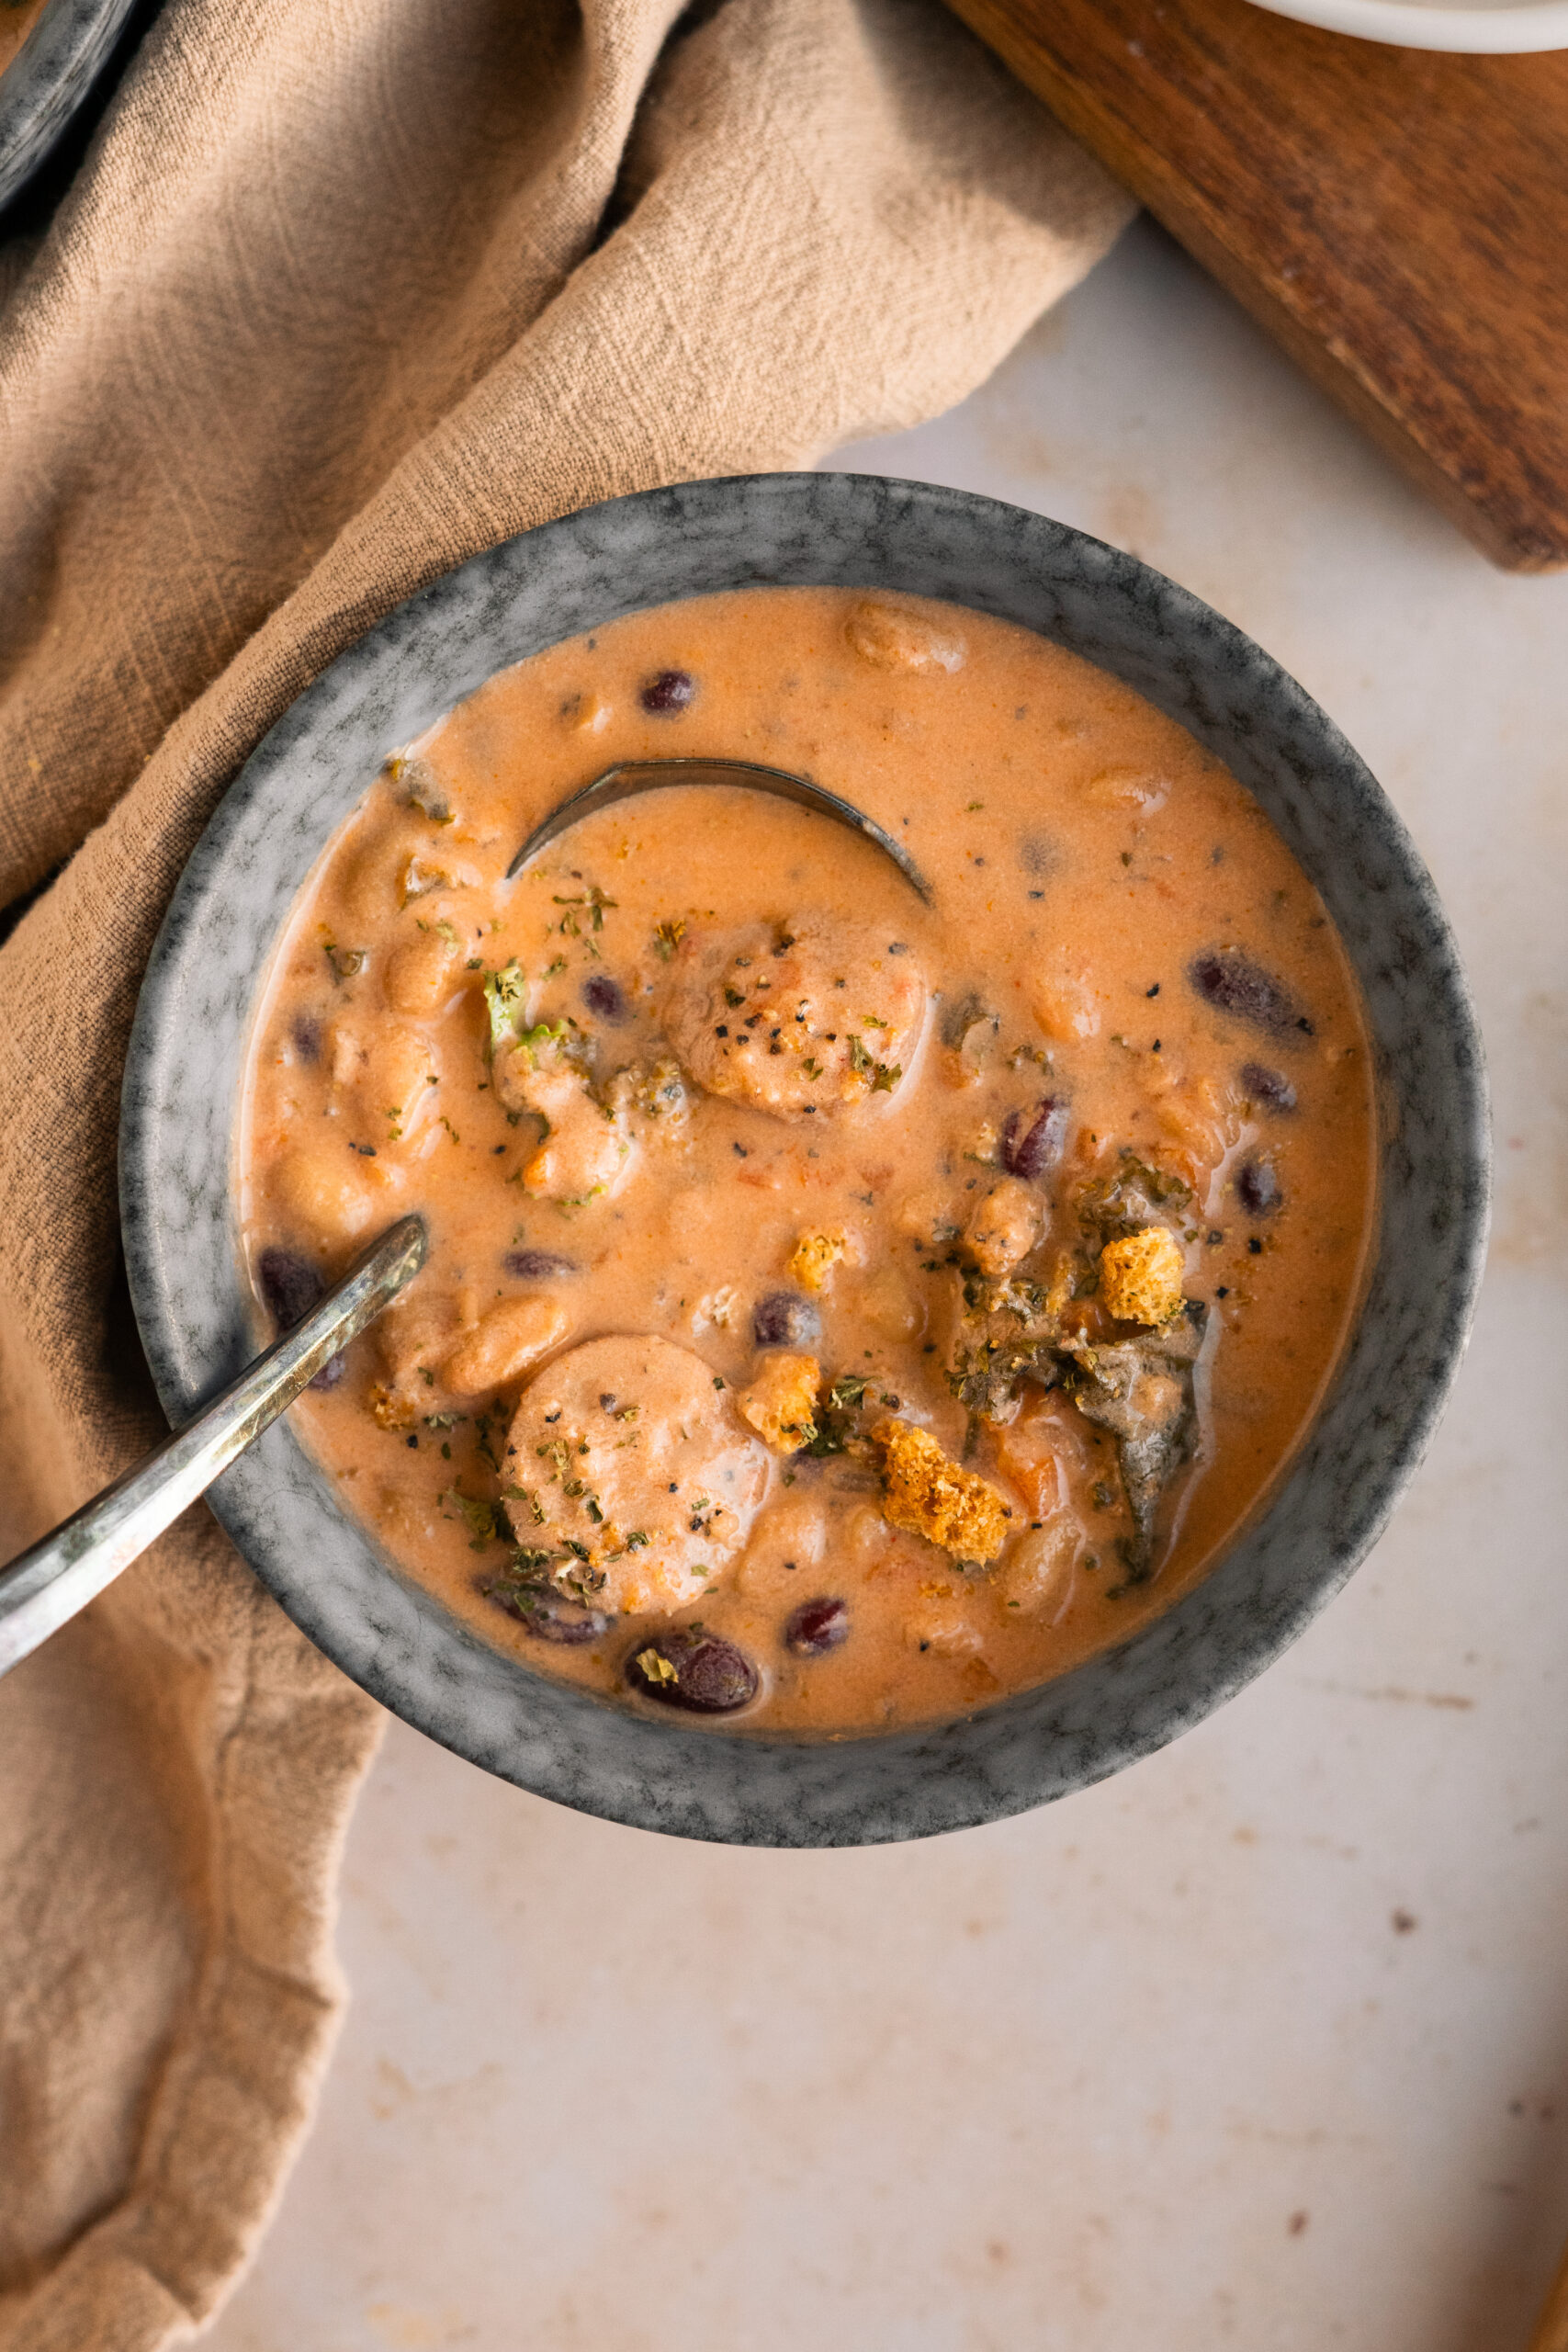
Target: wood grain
1397,219
1552,2328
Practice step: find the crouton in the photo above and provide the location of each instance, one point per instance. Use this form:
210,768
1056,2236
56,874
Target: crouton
781,1404
1141,1276
391,1409
814,1256
933,1497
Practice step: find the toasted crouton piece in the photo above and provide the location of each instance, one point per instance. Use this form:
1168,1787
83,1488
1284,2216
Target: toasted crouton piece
814,1257
391,1408
930,1495
781,1404
1141,1276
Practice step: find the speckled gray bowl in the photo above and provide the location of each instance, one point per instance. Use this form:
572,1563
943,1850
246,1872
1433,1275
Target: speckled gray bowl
184,1075
48,80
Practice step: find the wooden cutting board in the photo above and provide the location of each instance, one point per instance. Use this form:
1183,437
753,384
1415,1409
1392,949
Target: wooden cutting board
1398,219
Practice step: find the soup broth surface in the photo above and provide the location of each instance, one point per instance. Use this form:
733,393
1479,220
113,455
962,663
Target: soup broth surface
842,1309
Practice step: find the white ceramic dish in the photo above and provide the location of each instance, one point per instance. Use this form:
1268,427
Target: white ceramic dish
1507,28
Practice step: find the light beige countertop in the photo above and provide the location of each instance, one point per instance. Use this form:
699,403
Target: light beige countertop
1264,2043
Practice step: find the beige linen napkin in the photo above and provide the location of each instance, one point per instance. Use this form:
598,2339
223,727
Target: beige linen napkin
342,295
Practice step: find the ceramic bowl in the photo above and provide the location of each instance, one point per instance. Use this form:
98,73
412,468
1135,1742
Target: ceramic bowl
188,1051
1490,28
48,80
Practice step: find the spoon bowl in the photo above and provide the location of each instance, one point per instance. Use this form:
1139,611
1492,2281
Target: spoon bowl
631,778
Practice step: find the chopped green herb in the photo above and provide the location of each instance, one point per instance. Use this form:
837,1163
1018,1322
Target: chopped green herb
506,999
484,1520
594,901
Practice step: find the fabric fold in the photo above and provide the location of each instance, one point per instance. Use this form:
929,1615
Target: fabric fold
340,296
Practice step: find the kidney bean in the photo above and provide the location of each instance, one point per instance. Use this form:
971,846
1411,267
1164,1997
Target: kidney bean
1258,1187
698,1671
1269,1087
1233,983
538,1265
290,1286
669,690
550,1617
290,1283
785,1320
818,1626
604,995
306,1033
1032,1141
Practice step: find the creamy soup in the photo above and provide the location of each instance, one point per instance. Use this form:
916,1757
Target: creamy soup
842,1307
18,18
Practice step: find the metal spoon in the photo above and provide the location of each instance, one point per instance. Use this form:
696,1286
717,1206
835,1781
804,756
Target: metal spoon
49,1583
629,777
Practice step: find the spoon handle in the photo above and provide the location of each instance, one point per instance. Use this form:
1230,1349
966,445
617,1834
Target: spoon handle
43,1586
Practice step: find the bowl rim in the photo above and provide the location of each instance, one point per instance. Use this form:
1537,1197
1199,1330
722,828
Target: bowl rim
48,80
1508,28
179,1128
